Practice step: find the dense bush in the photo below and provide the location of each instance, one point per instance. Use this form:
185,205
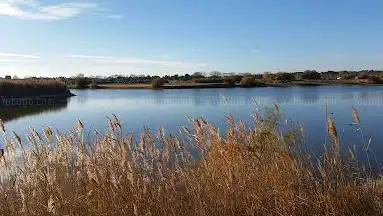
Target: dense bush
81,82
231,80
247,81
363,76
93,85
158,83
284,77
311,75
268,76
347,77
374,79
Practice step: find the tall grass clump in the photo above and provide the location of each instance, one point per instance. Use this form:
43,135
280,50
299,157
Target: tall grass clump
249,171
32,88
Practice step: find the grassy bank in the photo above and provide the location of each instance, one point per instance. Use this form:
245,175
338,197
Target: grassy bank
32,88
250,171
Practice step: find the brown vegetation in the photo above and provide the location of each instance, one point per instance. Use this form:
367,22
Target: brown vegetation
158,83
32,88
247,81
250,171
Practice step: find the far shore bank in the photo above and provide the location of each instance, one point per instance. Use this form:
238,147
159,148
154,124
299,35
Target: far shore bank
225,85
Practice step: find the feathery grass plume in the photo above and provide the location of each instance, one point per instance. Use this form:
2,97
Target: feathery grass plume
48,133
331,128
80,125
276,107
116,122
18,139
355,116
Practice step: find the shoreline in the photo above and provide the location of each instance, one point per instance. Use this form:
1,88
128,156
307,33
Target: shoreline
224,85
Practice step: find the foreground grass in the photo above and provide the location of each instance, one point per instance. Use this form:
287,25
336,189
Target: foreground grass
32,88
250,171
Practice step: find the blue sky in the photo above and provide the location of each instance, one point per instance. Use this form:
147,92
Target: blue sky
105,37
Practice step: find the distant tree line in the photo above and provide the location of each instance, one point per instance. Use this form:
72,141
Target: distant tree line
81,81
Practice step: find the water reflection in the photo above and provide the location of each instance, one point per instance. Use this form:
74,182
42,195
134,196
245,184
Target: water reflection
13,113
82,96
169,108
309,95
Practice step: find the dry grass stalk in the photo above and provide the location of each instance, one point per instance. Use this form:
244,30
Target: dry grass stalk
247,172
331,128
355,116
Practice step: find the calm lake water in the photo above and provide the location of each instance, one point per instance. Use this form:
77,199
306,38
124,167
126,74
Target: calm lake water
170,109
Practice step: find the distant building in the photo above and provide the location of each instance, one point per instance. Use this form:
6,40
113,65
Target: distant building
8,77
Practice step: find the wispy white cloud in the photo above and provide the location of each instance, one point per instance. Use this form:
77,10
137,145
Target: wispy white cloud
135,61
15,57
114,16
31,9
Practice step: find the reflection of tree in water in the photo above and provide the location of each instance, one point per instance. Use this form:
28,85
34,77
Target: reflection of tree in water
197,96
348,95
247,98
367,97
363,97
286,97
158,95
82,96
309,95
13,113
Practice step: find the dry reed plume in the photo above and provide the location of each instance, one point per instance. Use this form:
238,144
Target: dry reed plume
250,171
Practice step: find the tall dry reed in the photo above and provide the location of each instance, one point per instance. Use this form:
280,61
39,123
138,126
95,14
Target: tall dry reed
249,171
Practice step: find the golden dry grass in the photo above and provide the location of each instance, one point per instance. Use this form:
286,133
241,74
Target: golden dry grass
250,171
